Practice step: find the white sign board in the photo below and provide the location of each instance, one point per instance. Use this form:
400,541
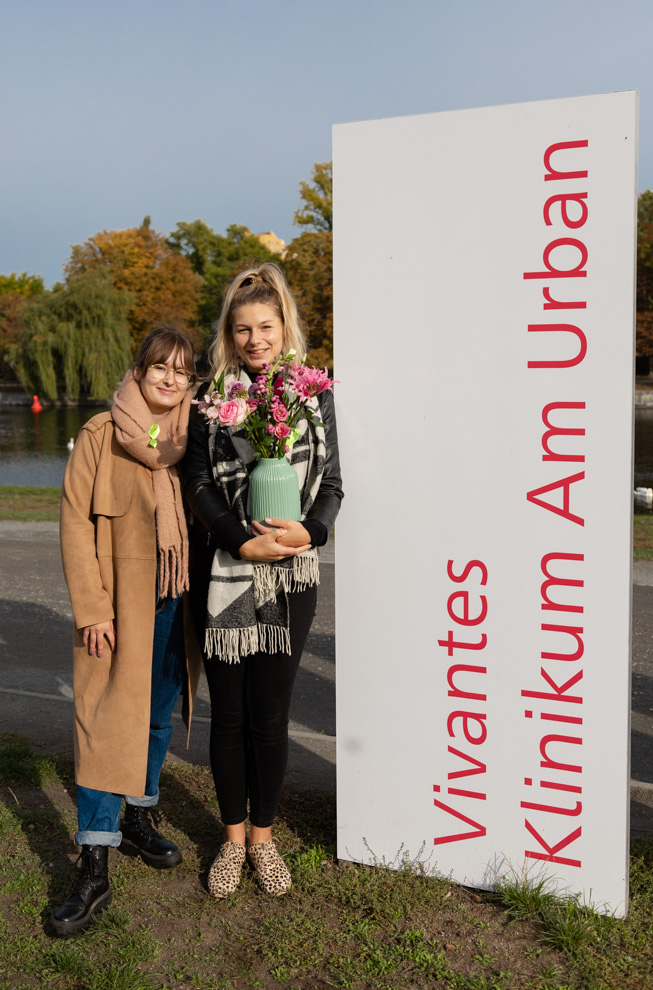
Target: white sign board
484,285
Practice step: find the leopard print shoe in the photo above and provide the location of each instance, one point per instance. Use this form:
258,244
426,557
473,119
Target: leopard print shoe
272,872
224,875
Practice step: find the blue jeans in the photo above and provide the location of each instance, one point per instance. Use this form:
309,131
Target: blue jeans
98,812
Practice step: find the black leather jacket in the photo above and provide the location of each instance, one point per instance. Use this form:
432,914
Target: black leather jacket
211,517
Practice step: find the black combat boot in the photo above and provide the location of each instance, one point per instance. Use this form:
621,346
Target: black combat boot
91,892
140,838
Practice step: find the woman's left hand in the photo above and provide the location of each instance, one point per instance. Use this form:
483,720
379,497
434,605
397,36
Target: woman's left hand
296,535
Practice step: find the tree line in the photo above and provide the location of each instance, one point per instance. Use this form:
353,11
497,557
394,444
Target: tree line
645,275
77,338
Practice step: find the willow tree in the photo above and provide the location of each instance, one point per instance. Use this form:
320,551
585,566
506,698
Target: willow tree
74,339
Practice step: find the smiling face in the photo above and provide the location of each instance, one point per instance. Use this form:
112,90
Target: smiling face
163,392
257,334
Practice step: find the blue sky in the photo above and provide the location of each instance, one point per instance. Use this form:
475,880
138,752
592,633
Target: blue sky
214,110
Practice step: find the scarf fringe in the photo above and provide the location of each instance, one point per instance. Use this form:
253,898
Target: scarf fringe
230,644
273,639
173,571
305,572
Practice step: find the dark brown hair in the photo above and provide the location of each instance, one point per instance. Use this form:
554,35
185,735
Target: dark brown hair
160,344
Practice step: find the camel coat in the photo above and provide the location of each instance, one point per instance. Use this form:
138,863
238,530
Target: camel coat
108,547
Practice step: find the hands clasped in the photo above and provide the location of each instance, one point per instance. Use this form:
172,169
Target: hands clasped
280,538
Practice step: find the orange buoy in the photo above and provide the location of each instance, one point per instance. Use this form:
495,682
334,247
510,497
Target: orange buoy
36,405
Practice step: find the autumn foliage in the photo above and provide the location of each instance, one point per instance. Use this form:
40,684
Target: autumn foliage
645,274
15,291
163,286
309,270
76,338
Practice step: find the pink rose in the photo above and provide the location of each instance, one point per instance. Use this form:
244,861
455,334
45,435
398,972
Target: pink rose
282,431
280,413
232,412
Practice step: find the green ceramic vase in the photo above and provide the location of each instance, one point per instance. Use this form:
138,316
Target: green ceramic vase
274,490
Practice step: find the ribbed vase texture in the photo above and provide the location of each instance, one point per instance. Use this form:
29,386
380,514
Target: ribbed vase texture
274,490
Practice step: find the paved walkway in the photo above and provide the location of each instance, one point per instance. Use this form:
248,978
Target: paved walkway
36,676
36,680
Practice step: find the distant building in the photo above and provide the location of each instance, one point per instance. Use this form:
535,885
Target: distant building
273,243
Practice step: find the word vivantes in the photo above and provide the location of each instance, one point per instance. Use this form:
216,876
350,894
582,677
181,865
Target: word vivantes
466,726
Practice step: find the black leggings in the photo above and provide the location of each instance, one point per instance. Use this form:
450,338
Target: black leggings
250,702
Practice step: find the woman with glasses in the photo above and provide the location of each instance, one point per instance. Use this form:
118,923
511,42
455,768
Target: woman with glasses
124,546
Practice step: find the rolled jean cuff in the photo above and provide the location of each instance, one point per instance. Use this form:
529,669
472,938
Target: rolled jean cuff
144,802
87,838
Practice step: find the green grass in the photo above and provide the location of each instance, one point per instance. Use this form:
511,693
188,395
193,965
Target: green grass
643,537
28,503
342,925
601,951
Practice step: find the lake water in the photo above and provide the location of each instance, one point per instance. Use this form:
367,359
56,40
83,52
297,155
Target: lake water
33,447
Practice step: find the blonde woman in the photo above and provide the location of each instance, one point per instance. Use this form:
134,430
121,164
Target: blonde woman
124,545
234,559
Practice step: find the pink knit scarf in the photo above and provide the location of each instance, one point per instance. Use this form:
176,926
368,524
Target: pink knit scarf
133,420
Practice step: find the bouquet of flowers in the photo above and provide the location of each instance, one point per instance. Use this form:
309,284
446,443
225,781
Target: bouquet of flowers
269,409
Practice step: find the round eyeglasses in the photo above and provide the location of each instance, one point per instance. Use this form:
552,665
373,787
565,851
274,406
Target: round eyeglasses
160,371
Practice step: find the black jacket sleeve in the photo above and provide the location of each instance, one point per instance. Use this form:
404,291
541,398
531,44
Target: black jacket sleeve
322,514
206,502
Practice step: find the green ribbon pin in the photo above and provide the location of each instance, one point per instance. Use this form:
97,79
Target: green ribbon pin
292,438
153,433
